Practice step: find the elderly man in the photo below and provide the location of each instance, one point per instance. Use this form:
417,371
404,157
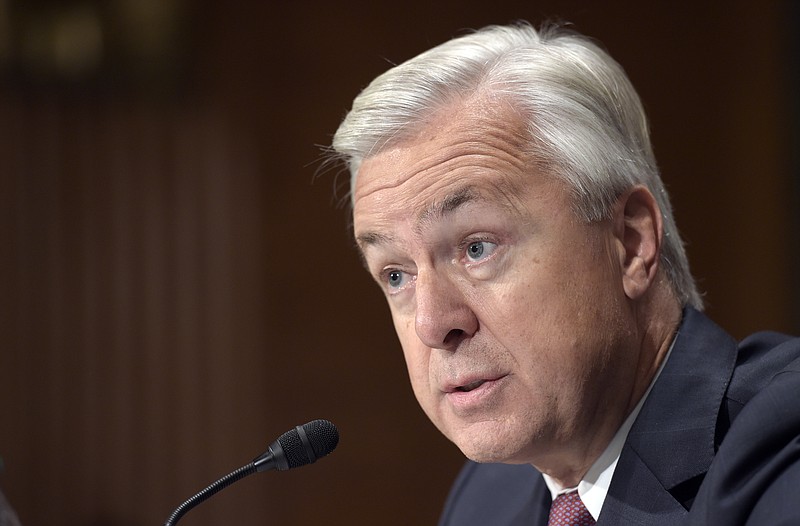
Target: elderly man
507,202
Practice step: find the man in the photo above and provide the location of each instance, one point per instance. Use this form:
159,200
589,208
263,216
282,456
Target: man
507,201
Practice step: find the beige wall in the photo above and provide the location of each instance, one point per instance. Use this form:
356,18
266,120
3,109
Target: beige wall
178,288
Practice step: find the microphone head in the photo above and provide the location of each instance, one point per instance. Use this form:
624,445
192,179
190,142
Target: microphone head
300,446
309,442
322,436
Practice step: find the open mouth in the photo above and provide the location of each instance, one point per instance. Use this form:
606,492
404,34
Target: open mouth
469,387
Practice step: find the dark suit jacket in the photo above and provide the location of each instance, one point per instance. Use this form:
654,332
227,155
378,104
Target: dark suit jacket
717,442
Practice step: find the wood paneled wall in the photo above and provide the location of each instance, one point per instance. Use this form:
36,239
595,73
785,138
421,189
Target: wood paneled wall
128,319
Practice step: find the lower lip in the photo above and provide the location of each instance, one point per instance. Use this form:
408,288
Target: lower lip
467,400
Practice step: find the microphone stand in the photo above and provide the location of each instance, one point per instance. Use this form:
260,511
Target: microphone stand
212,489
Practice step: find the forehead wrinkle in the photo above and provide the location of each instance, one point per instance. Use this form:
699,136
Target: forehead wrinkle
480,142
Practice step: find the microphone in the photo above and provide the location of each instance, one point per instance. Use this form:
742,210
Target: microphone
297,447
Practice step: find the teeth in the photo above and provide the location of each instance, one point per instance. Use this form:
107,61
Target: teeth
470,387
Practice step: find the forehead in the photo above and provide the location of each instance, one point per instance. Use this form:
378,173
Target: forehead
474,149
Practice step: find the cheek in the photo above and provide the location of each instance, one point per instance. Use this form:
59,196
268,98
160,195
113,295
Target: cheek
562,286
415,354
520,310
553,318
417,358
417,365
418,368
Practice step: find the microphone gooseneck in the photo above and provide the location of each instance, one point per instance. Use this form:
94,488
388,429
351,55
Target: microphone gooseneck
297,447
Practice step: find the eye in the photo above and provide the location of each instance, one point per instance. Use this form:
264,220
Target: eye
479,250
395,280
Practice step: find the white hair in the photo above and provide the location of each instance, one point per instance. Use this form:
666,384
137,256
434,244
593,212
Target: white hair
585,120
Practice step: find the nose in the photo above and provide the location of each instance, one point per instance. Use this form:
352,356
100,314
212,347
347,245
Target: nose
443,316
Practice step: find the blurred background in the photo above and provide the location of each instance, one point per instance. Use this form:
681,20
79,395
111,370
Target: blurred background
178,285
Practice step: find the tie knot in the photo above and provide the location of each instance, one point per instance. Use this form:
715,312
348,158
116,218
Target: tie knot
568,510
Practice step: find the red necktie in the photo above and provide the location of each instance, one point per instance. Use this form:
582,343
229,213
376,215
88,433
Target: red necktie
568,510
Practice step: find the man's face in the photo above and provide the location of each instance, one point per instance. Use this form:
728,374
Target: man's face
510,310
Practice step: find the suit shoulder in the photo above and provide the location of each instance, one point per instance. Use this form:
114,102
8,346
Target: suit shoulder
754,477
760,357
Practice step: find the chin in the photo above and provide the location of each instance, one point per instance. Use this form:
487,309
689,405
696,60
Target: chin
489,444
491,454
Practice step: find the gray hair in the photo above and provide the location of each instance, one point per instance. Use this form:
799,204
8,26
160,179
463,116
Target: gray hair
586,123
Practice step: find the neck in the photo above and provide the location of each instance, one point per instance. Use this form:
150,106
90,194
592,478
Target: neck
656,328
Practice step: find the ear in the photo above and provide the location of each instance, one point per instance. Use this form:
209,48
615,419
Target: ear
639,231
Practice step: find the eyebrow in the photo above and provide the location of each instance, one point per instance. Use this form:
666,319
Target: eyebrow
436,211
372,238
448,205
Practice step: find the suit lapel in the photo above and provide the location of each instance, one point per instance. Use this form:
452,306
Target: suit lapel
671,444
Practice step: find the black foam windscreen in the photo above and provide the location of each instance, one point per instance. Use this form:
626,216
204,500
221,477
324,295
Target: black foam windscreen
309,442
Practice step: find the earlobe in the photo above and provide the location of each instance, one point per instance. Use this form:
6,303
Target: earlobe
640,231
